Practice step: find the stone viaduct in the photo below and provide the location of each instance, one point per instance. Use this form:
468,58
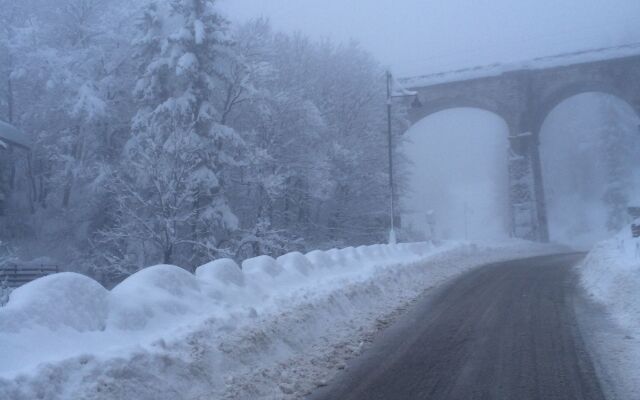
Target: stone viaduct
524,94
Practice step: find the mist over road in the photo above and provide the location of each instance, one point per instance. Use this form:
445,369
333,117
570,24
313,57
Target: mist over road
504,331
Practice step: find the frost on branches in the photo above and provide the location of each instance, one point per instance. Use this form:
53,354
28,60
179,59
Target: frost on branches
170,193
163,134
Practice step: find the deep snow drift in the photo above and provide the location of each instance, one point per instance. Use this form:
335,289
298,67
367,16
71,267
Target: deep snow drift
274,329
611,276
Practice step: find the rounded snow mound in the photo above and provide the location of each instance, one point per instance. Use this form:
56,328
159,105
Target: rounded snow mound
337,258
158,293
224,270
372,254
419,249
260,265
295,262
319,258
349,255
64,300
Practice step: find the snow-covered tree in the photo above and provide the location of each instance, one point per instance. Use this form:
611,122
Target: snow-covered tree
617,150
160,135
316,123
173,174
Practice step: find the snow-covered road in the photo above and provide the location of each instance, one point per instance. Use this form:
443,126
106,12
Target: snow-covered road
503,332
277,330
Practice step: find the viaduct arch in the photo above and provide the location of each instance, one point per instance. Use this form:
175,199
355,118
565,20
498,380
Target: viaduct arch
523,95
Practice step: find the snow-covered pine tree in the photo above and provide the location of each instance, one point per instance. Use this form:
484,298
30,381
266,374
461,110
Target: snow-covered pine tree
173,177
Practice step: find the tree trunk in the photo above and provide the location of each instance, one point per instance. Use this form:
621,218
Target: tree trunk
76,155
32,183
168,255
9,101
66,196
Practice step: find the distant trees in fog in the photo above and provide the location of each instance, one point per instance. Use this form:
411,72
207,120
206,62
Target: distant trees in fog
164,134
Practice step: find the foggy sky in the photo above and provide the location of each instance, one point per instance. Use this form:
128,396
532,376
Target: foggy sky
459,171
421,36
574,169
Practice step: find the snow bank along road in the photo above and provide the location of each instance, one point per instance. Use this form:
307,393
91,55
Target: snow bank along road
505,331
610,276
275,329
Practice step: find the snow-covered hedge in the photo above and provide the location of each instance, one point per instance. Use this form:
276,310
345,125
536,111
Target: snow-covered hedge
162,298
274,329
67,300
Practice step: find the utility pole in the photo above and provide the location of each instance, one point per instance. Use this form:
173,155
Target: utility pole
392,231
415,104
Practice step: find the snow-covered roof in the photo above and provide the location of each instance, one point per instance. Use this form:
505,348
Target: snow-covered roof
497,69
10,134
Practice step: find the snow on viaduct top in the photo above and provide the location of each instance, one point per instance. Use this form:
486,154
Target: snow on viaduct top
497,69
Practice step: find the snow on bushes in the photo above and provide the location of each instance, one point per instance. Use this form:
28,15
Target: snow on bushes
65,300
163,293
224,270
169,333
70,314
160,293
337,257
319,258
262,265
166,291
295,262
222,280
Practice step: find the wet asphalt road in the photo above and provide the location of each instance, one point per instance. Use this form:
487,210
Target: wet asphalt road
504,331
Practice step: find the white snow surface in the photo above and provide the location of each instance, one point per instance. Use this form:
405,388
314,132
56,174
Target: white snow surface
611,276
276,329
497,69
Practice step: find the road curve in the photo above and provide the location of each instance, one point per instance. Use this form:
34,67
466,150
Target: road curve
504,331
